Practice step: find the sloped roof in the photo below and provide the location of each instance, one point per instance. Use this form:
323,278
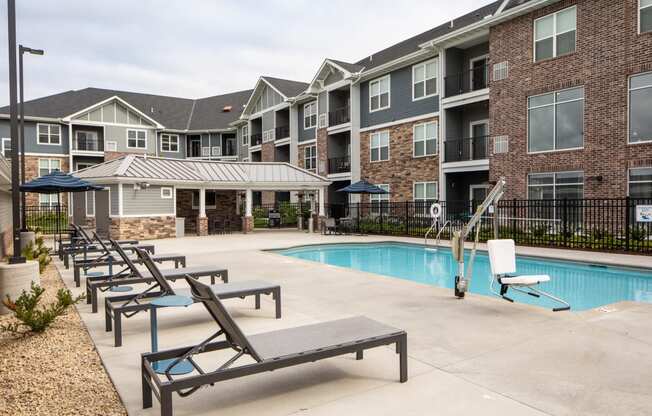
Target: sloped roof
287,87
172,112
411,45
352,68
138,167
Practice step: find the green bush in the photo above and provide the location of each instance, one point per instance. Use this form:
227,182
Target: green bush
38,251
26,310
289,213
638,234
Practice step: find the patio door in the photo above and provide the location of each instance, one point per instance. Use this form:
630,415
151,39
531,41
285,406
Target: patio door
479,132
479,73
102,219
477,195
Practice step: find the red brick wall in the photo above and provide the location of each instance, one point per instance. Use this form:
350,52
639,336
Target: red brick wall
608,50
402,169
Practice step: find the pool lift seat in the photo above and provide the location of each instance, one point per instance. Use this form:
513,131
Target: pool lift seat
502,259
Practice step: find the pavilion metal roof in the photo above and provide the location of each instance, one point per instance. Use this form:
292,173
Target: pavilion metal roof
239,175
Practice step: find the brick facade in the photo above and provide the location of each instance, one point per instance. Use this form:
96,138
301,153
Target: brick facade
225,209
143,228
608,51
32,172
402,170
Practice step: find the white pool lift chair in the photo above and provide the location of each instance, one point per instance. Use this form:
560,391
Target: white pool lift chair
502,258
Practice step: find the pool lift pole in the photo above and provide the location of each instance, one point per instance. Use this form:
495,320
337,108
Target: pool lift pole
462,283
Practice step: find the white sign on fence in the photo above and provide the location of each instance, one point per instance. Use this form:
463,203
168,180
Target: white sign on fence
643,213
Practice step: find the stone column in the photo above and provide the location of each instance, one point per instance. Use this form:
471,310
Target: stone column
322,209
248,219
202,220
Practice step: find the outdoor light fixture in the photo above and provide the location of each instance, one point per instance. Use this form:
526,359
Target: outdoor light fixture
21,51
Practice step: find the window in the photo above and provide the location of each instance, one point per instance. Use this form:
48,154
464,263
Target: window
169,143
424,80
559,185
90,203
556,120
211,198
87,140
245,136
380,202
379,94
310,115
83,165
49,133
137,139
425,191
48,200
424,137
46,166
640,102
640,183
645,16
310,158
166,192
554,35
6,147
379,146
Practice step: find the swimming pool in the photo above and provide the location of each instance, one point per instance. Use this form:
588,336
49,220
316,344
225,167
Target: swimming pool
583,285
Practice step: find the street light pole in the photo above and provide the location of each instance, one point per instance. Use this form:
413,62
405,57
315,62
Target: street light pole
13,115
21,51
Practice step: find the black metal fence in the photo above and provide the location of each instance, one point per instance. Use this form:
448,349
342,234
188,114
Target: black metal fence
44,218
591,224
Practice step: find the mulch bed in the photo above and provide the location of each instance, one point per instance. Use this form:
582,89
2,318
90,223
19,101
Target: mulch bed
57,372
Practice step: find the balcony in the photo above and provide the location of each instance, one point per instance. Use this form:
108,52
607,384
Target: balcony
282,132
256,139
472,80
463,150
339,116
88,144
339,165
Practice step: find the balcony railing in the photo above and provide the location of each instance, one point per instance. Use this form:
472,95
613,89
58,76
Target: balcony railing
88,144
339,116
460,150
339,164
472,80
256,139
282,132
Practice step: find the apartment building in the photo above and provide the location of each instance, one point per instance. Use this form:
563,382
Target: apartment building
555,95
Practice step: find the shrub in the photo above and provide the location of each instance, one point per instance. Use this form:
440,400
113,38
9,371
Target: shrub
38,251
638,234
36,319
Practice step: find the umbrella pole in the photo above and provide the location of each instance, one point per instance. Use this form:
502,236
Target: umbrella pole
58,229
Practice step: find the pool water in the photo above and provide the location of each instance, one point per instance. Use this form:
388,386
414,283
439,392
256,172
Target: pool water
583,285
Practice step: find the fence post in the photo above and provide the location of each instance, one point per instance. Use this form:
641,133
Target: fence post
407,219
565,220
628,219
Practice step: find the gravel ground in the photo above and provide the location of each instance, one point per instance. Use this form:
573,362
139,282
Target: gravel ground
57,372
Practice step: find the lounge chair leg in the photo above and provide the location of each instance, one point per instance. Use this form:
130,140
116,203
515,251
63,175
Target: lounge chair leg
166,403
94,299
107,317
402,346
277,301
359,355
147,390
117,329
257,300
88,293
76,274
225,276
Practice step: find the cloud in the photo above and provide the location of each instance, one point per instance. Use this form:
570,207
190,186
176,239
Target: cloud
197,48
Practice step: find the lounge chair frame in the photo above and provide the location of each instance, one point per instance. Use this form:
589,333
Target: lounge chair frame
115,307
236,340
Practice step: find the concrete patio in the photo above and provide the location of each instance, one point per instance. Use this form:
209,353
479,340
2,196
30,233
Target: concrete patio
480,356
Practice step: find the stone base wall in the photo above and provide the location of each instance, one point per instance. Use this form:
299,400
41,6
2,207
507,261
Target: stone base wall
202,226
225,208
247,224
143,228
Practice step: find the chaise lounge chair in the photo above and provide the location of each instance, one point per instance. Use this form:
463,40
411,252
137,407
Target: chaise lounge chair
270,351
130,305
83,244
110,260
131,275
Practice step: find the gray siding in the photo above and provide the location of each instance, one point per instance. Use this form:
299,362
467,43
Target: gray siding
401,104
268,120
243,151
118,134
176,155
145,201
5,219
114,208
304,134
31,142
333,77
322,106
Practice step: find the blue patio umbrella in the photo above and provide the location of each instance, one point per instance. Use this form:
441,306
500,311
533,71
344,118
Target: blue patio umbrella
363,187
55,183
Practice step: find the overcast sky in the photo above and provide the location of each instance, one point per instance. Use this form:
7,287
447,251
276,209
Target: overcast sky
197,48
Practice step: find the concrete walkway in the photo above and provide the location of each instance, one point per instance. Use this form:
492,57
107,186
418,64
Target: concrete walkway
479,356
